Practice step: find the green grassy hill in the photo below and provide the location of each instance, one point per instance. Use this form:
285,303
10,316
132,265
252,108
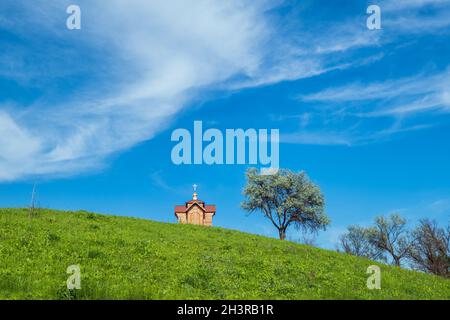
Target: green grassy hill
126,258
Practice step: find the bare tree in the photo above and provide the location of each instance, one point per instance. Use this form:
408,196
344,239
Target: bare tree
357,242
431,252
309,239
391,236
32,207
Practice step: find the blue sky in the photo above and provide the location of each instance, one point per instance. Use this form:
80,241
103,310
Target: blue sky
88,114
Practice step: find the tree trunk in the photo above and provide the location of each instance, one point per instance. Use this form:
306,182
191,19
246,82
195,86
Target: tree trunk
282,233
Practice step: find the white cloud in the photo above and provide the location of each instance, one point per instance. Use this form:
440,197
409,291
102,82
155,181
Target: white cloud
399,97
133,67
440,206
361,113
135,64
147,59
397,5
318,138
17,145
405,16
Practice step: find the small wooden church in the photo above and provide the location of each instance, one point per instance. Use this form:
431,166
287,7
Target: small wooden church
195,211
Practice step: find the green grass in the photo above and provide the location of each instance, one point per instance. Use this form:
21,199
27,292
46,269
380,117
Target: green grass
126,258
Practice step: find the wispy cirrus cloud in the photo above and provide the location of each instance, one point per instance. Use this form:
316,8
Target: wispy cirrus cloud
129,71
120,79
399,97
401,5
360,113
85,95
416,16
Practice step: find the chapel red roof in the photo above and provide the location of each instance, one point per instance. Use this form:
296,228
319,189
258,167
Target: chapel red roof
180,209
189,204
